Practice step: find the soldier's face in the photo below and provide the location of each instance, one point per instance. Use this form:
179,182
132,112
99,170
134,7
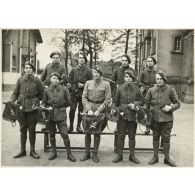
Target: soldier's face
96,74
28,70
150,62
81,59
128,79
159,80
124,61
56,59
54,80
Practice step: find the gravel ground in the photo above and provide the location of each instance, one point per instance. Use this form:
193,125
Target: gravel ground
181,145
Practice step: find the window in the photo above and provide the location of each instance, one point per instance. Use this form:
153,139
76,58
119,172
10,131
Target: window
153,50
177,44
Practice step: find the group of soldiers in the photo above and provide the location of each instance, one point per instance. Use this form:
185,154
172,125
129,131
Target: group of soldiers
88,90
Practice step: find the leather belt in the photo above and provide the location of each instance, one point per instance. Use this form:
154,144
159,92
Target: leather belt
95,102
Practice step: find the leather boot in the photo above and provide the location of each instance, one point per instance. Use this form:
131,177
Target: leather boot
23,137
120,146
71,117
155,157
115,142
96,146
87,155
32,139
132,155
53,146
95,158
79,129
69,154
118,158
166,148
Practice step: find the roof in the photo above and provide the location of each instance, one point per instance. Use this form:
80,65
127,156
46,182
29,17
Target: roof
38,36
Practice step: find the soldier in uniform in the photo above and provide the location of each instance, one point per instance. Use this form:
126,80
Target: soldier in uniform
147,79
162,100
96,95
55,66
118,73
77,78
118,77
57,98
127,97
28,93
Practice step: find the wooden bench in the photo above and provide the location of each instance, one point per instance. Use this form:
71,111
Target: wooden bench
46,140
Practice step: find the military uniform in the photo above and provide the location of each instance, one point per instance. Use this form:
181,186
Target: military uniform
50,68
28,93
162,123
147,80
79,74
58,98
118,77
126,94
96,95
118,74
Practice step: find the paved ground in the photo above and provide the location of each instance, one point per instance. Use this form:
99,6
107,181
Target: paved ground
181,145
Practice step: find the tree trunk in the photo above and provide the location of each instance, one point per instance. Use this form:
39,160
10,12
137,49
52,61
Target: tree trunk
90,49
66,51
127,41
83,46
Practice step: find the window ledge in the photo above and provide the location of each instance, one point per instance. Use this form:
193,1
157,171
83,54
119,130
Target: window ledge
177,52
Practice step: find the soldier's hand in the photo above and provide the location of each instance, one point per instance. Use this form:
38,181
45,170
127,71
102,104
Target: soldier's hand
90,112
166,108
97,113
132,106
80,85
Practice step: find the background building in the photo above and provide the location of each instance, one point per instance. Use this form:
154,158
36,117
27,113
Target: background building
174,51
18,46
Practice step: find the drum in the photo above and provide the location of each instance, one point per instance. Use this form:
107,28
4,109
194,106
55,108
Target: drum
93,124
144,116
43,115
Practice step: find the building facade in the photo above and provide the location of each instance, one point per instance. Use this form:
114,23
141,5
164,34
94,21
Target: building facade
18,46
174,52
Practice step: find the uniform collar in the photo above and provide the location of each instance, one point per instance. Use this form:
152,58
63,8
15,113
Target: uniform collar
98,81
55,64
123,68
128,86
57,87
81,67
161,88
29,77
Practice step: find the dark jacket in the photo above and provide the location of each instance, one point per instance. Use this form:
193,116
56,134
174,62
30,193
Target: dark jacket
58,97
28,92
50,68
147,77
126,94
98,92
157,98
79,74
118,74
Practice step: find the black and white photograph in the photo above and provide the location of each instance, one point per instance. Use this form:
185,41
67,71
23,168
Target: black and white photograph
95,97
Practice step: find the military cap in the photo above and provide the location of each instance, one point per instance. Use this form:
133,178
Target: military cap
162,74
131,74
84,55
54,53
99,69
154,60
127,57
56,75
30,64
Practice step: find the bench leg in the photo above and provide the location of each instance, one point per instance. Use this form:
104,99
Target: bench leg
46,141
116,142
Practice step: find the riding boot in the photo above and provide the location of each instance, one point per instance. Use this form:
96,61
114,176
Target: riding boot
69,154
53,147
79,129
132,150
96,146
155,157
87,155
23,137
71,117
166,148
120,145
32,139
